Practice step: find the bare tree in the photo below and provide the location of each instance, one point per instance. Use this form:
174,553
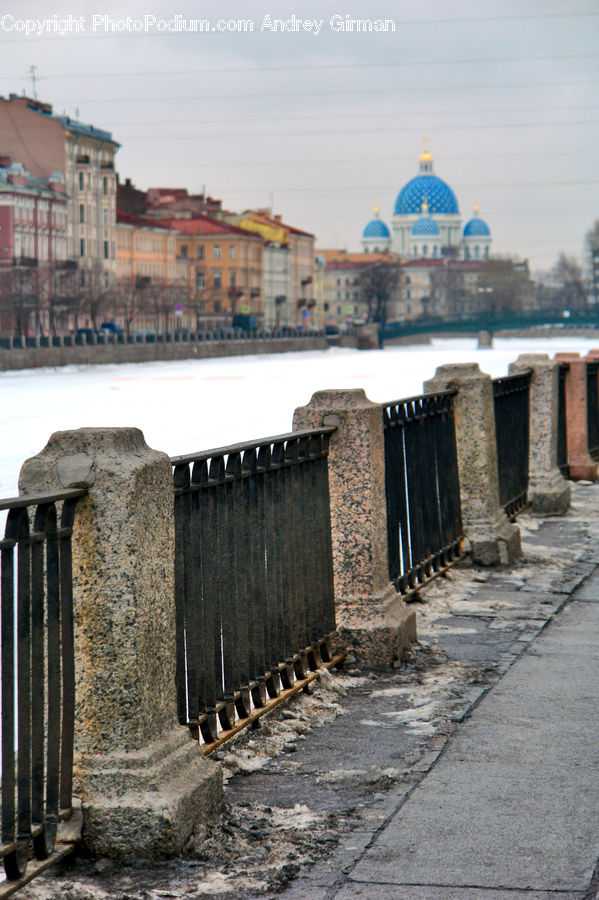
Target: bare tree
95,294
569,282
378,283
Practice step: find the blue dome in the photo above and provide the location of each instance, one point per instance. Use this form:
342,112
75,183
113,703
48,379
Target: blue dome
477,228
376,229
429,188
425,227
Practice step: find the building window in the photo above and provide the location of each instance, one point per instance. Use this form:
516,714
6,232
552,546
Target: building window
232,251
217,306
200,251
200,279
82,279
105,216
217,279
106,250
476,251
82,247
217,253
106,279
338,282
233,279
105,185
184,251
81,213
326,307
81,181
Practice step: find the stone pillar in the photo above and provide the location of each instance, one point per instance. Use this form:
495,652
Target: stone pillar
371,616
493,539
548,490
369,337
144,782
580,464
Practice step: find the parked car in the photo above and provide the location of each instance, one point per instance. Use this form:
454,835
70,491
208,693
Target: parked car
111,327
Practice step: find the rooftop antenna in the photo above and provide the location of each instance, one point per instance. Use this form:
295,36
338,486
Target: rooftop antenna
32,70
76,112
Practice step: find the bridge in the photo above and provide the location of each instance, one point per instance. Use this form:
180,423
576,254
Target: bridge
507,320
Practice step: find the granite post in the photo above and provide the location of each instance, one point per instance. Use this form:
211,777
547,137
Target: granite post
581,466
372,617
548,490
144,782
493,539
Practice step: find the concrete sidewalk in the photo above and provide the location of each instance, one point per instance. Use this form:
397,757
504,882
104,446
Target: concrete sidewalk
510,808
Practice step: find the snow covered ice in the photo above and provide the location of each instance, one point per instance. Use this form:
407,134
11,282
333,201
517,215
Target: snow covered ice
194,405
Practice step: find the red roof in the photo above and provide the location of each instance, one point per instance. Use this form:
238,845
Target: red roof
205,225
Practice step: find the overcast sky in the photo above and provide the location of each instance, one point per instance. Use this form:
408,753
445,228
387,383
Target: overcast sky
330,124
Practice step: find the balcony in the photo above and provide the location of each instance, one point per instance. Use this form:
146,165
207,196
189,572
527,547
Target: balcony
24,261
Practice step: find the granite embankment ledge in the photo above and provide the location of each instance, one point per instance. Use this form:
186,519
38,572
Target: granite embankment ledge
109,354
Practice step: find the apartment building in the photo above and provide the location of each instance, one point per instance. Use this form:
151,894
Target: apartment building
292,276
46,143
224,268
152,283
34,267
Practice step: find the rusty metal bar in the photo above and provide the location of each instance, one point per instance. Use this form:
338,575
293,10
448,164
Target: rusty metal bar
424,523
253,575
511,397
38,678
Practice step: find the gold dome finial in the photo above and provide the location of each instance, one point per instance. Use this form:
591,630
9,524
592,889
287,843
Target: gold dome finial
424,207
425,156
476,208
377,210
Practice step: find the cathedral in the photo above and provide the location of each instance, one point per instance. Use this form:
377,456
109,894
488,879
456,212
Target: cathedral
426,222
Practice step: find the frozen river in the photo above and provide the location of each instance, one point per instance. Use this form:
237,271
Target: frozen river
197,404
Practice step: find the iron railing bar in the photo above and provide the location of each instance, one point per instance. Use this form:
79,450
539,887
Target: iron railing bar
450,392
42,497
249,445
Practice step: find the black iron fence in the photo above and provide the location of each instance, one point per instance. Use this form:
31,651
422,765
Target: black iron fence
512,434
38,678
424,520
562,428
253,574
593,409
